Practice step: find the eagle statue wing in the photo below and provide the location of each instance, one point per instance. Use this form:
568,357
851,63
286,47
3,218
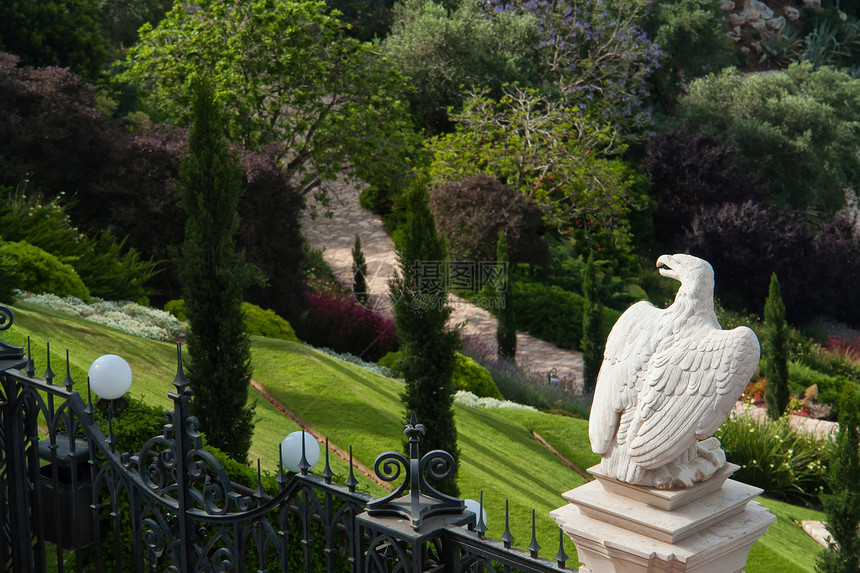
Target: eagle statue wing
690,386
628,348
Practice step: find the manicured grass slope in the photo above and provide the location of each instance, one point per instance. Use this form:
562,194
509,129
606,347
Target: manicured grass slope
498,454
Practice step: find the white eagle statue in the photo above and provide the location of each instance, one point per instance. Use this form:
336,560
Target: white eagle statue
669,378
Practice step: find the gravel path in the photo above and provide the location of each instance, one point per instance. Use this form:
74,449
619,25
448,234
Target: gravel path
336,236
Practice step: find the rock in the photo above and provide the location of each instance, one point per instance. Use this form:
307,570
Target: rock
777,23
727,5
792,13
761,8
759,25
756,10
812,3
737,19
817,531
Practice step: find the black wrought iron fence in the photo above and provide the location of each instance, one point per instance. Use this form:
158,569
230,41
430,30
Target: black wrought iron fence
72,502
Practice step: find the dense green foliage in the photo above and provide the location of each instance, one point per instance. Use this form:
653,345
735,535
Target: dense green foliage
797,125
269,56
108,269
775,351
691,35
842,504
64,33
38,271
213,275
554,314
592,342
421,311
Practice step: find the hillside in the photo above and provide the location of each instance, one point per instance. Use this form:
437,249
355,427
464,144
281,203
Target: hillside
498,453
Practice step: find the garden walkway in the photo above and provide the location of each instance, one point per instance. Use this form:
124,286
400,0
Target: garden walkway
336,236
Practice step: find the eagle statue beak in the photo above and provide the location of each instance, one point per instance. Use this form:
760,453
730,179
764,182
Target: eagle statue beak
666,267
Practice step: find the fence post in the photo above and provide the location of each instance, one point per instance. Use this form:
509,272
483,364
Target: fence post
14,440
183,433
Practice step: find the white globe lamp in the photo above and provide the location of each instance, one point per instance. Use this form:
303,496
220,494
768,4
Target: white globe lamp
475,507
110,376
291,451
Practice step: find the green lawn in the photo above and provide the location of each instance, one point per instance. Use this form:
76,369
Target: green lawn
498,454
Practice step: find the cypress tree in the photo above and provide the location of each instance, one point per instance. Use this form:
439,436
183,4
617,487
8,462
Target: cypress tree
842,505
421,311
775,350
359,273
213,275
506,330
592,313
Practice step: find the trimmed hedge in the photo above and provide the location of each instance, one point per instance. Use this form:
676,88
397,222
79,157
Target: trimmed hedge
554,314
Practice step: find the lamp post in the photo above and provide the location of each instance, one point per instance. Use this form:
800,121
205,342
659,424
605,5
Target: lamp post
110,378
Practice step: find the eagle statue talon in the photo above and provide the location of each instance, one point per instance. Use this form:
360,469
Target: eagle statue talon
669,378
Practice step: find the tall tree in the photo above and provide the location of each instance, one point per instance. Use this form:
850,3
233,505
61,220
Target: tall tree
506,330
321,102
592,312
421,309
842,505
775,345
213,275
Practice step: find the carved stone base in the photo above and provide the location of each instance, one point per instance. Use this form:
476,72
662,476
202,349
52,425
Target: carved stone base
622,528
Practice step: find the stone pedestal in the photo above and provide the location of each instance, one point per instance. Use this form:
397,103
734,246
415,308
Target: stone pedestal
623,528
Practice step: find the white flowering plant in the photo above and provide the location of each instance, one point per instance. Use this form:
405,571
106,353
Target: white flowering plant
468,399
126,316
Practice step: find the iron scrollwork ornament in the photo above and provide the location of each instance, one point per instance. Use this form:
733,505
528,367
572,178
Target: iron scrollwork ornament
8,351
422,499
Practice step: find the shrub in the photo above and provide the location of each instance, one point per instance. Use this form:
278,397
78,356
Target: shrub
785,464
555,315
337,322
747,243
472,377
442,51
176,307
471,213
791,126
38,271
836,277
127,316
692,37
689,172
392,362
108,268
264,322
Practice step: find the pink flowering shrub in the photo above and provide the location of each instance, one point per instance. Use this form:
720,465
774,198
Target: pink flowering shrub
337,322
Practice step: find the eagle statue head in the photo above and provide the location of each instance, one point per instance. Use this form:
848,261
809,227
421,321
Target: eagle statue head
696,277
